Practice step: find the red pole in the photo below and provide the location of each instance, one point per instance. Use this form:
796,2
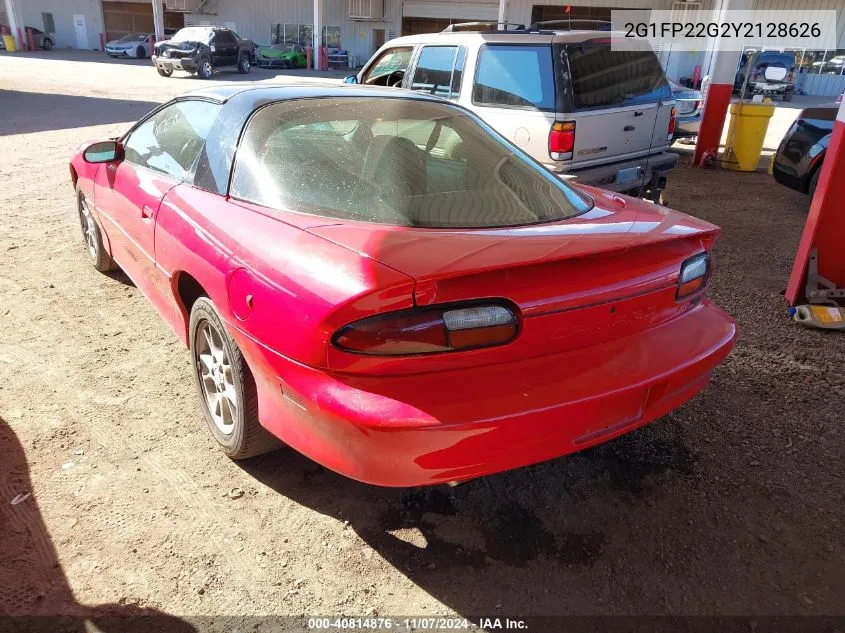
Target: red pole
31,39
308,57
825,226
102,43
716,107
21,41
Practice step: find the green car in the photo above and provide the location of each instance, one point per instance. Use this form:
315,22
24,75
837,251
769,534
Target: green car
280,56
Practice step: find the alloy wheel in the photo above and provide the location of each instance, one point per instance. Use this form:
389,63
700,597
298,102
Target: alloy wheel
89,229
215,372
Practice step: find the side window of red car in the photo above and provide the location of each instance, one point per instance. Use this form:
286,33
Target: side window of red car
172,140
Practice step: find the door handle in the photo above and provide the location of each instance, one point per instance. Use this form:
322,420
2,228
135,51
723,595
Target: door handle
628,128
638,113
146,213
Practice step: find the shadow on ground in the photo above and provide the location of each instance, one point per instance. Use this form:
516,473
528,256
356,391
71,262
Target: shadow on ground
34,592
26,112
545,523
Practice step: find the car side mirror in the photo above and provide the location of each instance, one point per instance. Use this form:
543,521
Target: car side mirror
774,73
103,152
352,79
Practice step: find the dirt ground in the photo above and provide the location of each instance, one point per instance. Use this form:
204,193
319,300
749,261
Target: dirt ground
732,505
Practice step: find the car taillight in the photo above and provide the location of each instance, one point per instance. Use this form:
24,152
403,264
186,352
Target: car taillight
839,99
694,275
562,140
672,116
429,330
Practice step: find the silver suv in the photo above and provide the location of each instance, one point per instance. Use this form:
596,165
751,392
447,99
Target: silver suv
583,110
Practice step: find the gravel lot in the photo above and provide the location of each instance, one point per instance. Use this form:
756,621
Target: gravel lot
732,505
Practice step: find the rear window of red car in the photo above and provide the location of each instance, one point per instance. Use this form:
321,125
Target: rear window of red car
393,161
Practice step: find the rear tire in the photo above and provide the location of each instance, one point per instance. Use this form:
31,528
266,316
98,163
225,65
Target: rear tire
164,72
787,96
48,44
226,387
141,53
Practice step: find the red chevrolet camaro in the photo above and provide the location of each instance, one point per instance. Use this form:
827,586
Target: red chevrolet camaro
380,281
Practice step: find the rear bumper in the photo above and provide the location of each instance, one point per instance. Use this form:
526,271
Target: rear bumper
605,176
688,125
455,425
168,63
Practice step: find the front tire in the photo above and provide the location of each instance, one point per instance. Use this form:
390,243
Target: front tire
228,395
164,72
243,64
814,182
48,44
141,53
100,258
204,70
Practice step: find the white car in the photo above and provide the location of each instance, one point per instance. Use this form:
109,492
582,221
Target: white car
583,110
136,45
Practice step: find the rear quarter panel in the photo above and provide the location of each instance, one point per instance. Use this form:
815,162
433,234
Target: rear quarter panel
274,282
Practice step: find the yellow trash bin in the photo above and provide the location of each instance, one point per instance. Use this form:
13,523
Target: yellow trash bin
746,133
9,43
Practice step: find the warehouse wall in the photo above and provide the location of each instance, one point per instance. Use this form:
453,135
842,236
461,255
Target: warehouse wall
254,18
63,12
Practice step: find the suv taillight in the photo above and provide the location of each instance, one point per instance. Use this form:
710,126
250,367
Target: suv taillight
672,116
562,140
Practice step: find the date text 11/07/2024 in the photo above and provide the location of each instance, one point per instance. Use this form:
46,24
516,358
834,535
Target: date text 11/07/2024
377,623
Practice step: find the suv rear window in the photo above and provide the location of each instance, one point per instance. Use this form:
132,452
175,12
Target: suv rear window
515,77
603,78
404,162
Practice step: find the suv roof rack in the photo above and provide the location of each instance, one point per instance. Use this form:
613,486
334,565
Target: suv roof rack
484,27
537,26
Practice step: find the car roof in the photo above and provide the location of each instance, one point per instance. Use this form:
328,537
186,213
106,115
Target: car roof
262,92
241,100
506,37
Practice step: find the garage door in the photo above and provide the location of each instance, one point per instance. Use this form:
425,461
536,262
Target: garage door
122,18
462,11
432,17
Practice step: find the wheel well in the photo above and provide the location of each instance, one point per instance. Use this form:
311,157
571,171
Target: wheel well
73,176
189,290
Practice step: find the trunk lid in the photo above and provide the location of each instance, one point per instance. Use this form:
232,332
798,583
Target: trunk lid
605,274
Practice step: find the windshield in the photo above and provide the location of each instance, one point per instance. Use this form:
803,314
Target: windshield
393,161
193,34
133,37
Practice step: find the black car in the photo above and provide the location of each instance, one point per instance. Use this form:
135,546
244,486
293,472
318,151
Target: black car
202,50
755,64
797,163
